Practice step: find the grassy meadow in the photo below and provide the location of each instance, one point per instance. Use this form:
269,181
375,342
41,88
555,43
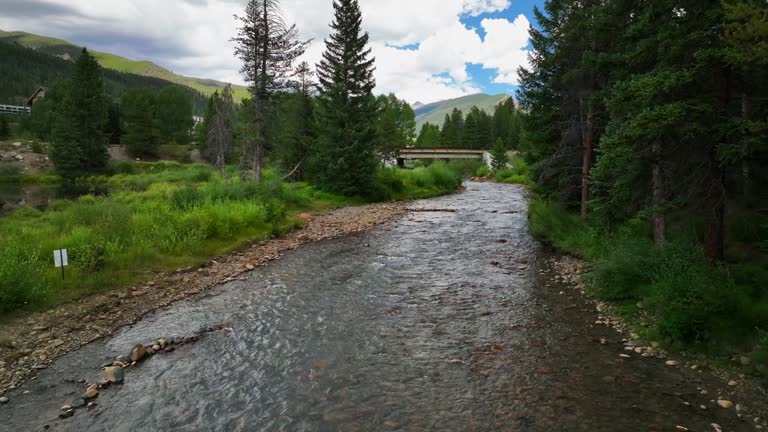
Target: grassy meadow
149,217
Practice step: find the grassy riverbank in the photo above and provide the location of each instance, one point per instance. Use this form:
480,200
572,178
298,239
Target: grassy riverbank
670,292
161,216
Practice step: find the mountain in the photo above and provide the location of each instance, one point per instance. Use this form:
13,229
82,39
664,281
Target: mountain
435,112
68,51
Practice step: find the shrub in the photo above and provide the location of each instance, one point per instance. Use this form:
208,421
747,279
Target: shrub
482,171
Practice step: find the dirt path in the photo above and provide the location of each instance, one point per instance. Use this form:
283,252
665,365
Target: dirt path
29,344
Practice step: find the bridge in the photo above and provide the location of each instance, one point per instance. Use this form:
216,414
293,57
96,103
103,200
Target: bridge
15,109
445,154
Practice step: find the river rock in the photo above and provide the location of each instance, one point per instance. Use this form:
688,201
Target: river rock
114,374
725,403
137,353
672,363
90,393
3,400
67,414
745,361
733,383
17,144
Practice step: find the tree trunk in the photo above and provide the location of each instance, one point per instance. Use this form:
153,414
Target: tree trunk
586,166
745,171
657,186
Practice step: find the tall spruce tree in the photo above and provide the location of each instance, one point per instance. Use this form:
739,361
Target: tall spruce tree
429,136
141,136
78,143
267,47
347,138
220,130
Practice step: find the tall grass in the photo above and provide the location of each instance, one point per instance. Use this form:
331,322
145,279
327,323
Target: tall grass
158,216
517,173
720,309
423,182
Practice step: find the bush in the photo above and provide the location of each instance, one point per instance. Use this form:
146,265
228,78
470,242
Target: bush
482,171
436,179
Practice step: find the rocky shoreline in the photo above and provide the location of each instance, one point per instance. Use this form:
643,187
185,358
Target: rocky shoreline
30,343
737,390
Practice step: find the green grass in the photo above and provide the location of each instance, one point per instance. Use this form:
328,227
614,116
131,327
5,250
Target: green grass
423,182
720,310
149,217
516,174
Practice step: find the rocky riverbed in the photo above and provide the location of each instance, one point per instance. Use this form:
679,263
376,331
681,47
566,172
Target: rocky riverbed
31,343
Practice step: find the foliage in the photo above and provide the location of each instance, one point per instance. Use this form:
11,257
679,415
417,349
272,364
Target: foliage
347,138
5,127
140,124
396,125
429,136
423,182
499,155
173,111
78,144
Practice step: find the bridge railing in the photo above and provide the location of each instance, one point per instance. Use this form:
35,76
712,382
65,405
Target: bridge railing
14,109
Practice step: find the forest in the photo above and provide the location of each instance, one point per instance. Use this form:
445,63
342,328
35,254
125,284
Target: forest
645,128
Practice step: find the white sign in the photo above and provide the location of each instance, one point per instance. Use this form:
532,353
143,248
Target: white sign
60,258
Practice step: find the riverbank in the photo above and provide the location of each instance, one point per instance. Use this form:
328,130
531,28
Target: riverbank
31,343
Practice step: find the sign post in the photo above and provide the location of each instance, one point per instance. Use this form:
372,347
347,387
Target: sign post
60,260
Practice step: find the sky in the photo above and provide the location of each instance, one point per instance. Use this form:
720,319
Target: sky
426,50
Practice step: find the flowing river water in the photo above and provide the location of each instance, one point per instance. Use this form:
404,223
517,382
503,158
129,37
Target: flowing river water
441,321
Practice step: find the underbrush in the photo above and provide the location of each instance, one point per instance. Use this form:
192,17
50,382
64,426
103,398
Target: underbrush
720,310
516,173
423,182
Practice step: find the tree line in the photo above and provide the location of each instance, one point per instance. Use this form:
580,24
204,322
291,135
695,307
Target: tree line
652,110
476,130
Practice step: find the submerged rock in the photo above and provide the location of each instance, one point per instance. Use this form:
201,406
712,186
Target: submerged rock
114,374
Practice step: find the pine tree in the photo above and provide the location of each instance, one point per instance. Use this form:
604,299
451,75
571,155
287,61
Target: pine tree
220,130
5,129
429,136
140,129
297,124
173,111
347,108
267,46
78,144
499,155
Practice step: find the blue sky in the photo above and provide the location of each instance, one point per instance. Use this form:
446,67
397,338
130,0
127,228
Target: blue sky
482,76
426,50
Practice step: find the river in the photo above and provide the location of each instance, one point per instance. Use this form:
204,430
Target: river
441,321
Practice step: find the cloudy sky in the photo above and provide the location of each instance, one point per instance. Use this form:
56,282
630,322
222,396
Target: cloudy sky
426,50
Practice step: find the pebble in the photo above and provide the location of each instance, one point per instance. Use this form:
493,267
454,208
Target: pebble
672,363
681,428
725,403
3,400
67,414
66,407
90,393
745,361
732,383
137,353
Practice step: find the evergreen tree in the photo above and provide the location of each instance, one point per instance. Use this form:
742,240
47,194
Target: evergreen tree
173,110
201,130
396,124
140,129
296,124
347,108
429,136
113,127
5,128
267,46
220,130
451,136
499,155
78,144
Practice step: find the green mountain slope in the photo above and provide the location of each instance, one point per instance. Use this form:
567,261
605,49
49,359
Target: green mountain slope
69,51
435,112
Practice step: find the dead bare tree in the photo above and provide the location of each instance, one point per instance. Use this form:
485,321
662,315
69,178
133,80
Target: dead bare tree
267,46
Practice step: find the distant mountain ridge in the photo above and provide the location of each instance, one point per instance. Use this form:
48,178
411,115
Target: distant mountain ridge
69,51
435,112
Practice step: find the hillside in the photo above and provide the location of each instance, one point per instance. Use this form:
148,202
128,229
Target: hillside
435,112
23,70
69,51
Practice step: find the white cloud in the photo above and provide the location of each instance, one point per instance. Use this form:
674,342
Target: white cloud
192,37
